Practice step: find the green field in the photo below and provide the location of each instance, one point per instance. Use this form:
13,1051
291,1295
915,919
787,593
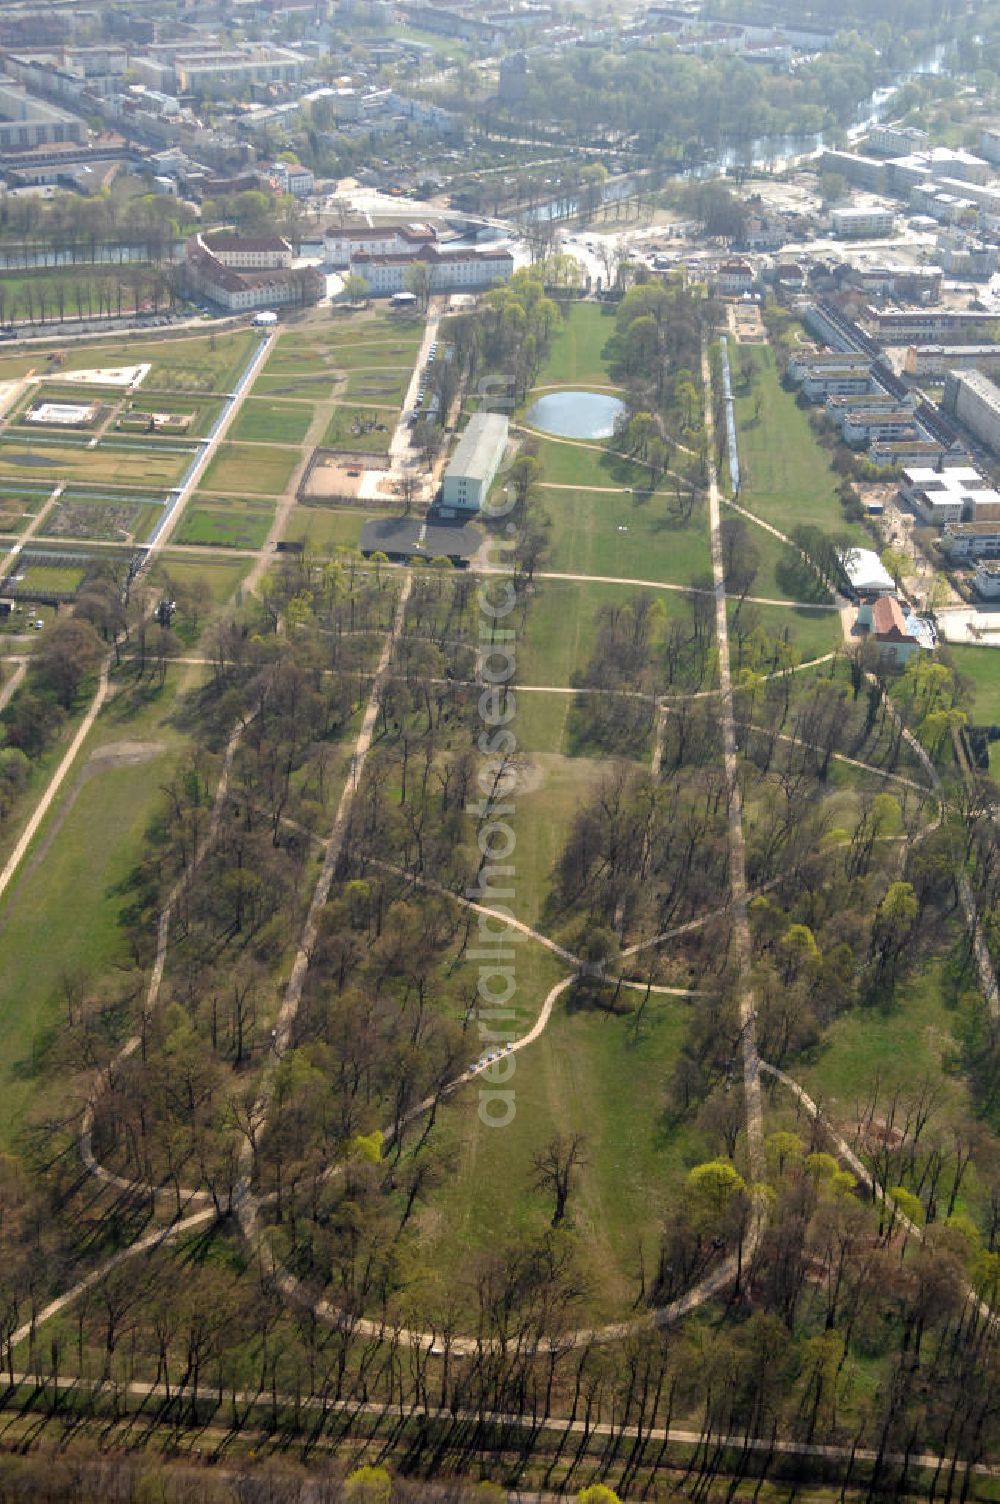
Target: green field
980,668
238,525
108,464
273,423
325,527
257,470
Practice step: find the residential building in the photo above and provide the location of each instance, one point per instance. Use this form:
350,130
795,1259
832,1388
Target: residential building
967,542
862,426
27,123
975,401
860,171
862,224
514,79
448,271
911,283
987,580
258,276
938,360
820,379
474,465
291,178
734,278
894,454
916,325
896,140
189,68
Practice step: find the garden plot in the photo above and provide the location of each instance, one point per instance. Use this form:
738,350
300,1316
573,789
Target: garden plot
88,516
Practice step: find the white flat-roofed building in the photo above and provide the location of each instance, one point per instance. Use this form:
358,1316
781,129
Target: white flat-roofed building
474,465
862,224
865,572
847,381
941,496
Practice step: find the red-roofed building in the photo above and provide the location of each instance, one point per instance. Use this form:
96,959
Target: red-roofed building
896,631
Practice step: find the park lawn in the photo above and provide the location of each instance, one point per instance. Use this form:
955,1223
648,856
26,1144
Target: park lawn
52,579
52,292
298,354
980,668
904,1042
586,537
257,470
568,463
576,353
782,574
62,916
812,633
221,576
111,464
366,429
562,623
185,363
787,477
236,525
325,529
273,423
587,1073
308,385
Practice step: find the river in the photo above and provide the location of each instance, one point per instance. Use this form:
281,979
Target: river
772,152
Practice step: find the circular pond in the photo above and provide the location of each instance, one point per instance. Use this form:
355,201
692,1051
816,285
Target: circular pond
576,415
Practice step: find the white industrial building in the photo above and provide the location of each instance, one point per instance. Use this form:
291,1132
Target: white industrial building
474,465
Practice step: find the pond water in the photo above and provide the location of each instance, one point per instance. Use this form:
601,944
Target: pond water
576,415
